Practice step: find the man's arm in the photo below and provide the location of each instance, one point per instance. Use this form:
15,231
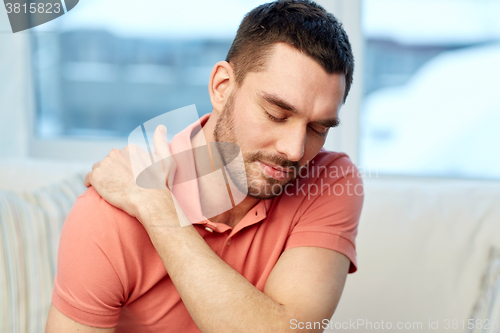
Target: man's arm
305,284
57,322
309,281
90,283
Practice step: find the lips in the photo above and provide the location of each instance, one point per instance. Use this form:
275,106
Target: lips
276,172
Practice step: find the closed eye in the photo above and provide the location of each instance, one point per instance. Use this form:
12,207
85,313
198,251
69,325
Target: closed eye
273,118
321,134
281,120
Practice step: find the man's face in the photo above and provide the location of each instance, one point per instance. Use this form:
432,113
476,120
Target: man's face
280,118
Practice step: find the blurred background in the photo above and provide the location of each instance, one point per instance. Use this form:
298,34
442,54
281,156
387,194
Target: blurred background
421,122
425,101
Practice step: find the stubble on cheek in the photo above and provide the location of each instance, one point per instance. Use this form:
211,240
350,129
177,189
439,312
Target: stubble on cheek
252,178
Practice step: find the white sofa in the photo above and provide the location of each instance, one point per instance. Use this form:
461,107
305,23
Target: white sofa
423,248
35,197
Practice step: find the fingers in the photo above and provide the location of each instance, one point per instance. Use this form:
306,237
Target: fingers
95,165
139,159
138,153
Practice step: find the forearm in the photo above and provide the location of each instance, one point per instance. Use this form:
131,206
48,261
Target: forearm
218,298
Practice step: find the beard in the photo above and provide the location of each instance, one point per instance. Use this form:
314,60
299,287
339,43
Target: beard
251,179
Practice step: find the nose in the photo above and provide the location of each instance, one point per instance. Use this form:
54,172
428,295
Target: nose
291,143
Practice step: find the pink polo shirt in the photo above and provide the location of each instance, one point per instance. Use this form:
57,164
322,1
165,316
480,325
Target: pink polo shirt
109,274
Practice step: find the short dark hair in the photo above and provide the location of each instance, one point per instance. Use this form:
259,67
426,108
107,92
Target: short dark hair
302,24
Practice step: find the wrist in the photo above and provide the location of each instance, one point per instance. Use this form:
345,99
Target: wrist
155,208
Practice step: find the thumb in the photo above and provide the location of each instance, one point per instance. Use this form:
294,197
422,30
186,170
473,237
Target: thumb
162,148
163,153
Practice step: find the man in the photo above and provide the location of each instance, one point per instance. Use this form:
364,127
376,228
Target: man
269,263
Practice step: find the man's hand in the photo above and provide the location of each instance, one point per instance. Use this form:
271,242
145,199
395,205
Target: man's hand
115,177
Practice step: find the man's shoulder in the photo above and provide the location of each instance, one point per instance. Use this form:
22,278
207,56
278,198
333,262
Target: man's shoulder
96,260
325,202
90,202
330,165
103,250
94,217
332,157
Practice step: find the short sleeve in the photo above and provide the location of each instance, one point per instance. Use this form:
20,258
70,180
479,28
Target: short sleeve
329,213
87,287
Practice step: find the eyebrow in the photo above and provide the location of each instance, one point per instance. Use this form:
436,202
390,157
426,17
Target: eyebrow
282,104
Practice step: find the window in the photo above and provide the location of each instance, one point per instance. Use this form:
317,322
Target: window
108,66
431,102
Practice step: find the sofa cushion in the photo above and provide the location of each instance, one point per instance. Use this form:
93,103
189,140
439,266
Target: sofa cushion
30,226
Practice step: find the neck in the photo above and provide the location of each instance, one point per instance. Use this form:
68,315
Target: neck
215,196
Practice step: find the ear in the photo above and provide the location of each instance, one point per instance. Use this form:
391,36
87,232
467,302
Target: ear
221,84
